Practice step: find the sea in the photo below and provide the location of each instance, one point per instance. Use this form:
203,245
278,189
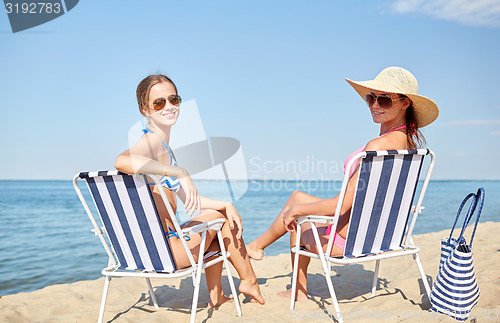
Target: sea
45,236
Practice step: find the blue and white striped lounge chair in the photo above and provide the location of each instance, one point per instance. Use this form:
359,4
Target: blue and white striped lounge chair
378,226
138,245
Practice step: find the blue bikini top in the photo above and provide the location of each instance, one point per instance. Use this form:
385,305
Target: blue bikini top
172,183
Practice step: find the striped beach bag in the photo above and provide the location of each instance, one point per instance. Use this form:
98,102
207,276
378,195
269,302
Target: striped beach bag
455,291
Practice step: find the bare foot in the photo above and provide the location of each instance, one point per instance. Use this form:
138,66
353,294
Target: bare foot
254,252
288,294
251,289
219,301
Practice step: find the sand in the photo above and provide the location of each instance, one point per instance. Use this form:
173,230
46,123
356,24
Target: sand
399,296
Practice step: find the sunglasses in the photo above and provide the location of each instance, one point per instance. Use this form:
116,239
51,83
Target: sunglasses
160,103
384,102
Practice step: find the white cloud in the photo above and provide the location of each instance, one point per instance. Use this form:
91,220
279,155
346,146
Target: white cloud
467,12
469,123
495,133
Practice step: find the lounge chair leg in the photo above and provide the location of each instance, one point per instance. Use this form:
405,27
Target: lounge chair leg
295,272
326,270
338,314
233,288
197,277
196,293
375,278
152,294
424,278
104,296
229,275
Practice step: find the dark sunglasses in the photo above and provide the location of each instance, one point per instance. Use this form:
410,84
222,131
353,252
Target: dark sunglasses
160,103
384,102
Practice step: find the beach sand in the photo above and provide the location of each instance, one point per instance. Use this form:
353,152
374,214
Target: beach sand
399,296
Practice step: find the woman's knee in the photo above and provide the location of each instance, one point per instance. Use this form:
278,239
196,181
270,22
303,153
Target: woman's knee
296,195
309,241
208,215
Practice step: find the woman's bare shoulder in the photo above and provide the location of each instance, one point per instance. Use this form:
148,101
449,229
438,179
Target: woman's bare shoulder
387,142
149,145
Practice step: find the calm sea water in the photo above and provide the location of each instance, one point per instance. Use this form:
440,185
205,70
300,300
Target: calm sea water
45,236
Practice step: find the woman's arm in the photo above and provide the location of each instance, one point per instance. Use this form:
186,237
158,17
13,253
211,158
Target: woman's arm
148,156
130,163
230,211
322,207
225,207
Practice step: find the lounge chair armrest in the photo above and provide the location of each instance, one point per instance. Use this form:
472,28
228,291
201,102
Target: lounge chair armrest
210,225
315,218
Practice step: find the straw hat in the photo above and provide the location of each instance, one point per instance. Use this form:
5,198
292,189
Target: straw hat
398,80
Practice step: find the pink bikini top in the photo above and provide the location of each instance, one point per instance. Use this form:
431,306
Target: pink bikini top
353,167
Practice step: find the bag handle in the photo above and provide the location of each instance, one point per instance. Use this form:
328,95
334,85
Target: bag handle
473,205
480,202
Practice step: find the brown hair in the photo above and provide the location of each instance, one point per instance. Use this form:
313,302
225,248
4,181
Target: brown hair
145,86
415,138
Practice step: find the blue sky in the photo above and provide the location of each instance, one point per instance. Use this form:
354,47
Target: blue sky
270,74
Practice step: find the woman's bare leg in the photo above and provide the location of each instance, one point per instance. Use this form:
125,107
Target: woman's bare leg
236,247
213,277
212,273
241,262
301,292
307,240
180,257
277,229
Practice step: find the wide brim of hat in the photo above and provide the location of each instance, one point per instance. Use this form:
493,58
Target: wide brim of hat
425,110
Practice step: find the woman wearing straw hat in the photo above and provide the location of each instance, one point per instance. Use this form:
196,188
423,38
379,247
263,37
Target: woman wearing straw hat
395,105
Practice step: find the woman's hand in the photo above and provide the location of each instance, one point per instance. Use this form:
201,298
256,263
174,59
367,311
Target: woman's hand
192,201
289,219
234,217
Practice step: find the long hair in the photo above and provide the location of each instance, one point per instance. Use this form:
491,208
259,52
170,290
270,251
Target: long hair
415,138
